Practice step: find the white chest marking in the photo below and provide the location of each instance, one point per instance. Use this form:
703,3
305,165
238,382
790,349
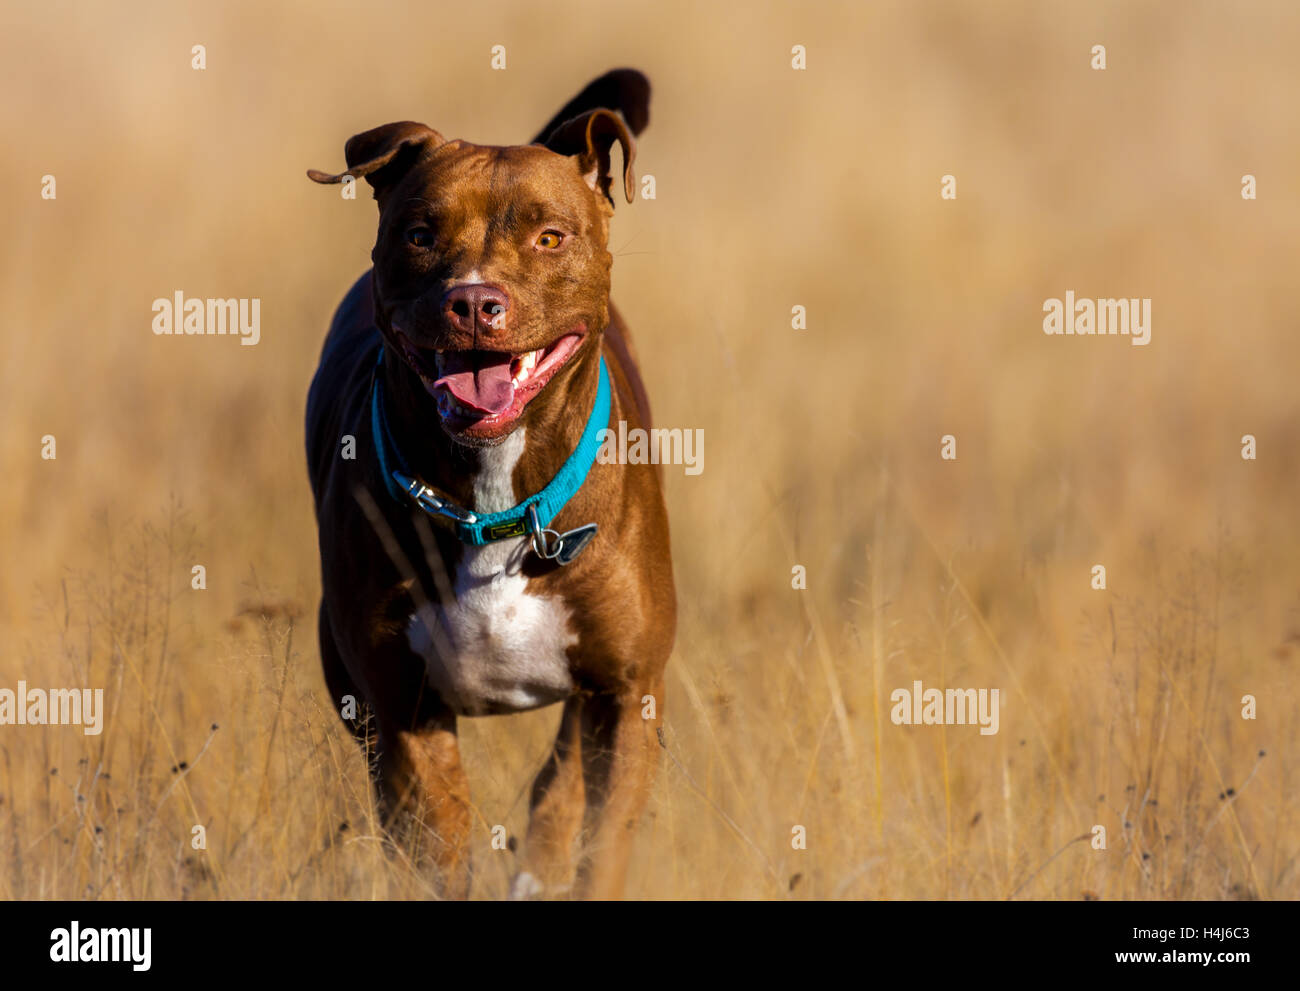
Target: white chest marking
508,648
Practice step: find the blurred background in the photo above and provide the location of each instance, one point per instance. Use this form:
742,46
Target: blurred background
775,188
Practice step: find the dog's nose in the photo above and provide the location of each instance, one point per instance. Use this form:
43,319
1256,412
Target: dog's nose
476,306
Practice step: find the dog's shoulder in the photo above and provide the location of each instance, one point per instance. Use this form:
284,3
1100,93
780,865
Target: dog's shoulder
340,387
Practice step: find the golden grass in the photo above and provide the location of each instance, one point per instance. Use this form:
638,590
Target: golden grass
1121,708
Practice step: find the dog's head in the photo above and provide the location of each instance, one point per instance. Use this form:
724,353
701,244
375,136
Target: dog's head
491,267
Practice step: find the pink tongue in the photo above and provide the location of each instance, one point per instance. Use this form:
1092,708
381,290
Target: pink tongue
480,379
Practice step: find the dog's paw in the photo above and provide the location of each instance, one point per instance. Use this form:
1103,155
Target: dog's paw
525,888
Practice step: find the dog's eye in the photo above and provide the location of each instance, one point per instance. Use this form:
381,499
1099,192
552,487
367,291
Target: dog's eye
421,237
550,239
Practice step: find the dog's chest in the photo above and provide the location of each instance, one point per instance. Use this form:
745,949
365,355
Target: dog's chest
495,648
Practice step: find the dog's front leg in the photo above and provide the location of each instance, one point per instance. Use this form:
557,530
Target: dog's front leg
555,813
426,791
619,754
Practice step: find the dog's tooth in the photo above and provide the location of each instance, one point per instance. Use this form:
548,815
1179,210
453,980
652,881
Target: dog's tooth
525,363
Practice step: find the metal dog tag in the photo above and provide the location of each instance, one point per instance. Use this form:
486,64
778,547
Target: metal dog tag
571,544
561,547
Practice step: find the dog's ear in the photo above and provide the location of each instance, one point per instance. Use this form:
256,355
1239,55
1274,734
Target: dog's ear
624,90
383,154
591,138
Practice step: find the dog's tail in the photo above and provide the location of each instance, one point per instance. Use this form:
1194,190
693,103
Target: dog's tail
624,90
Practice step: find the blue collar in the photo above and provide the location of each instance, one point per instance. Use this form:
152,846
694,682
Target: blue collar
473,528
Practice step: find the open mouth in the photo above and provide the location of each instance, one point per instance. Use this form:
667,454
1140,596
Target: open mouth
482,393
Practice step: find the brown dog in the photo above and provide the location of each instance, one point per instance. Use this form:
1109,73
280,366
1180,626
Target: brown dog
450,432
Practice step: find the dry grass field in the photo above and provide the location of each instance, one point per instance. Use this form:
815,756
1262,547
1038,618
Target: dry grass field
1120,707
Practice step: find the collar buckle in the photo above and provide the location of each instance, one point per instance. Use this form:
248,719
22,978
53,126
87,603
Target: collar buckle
431,502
